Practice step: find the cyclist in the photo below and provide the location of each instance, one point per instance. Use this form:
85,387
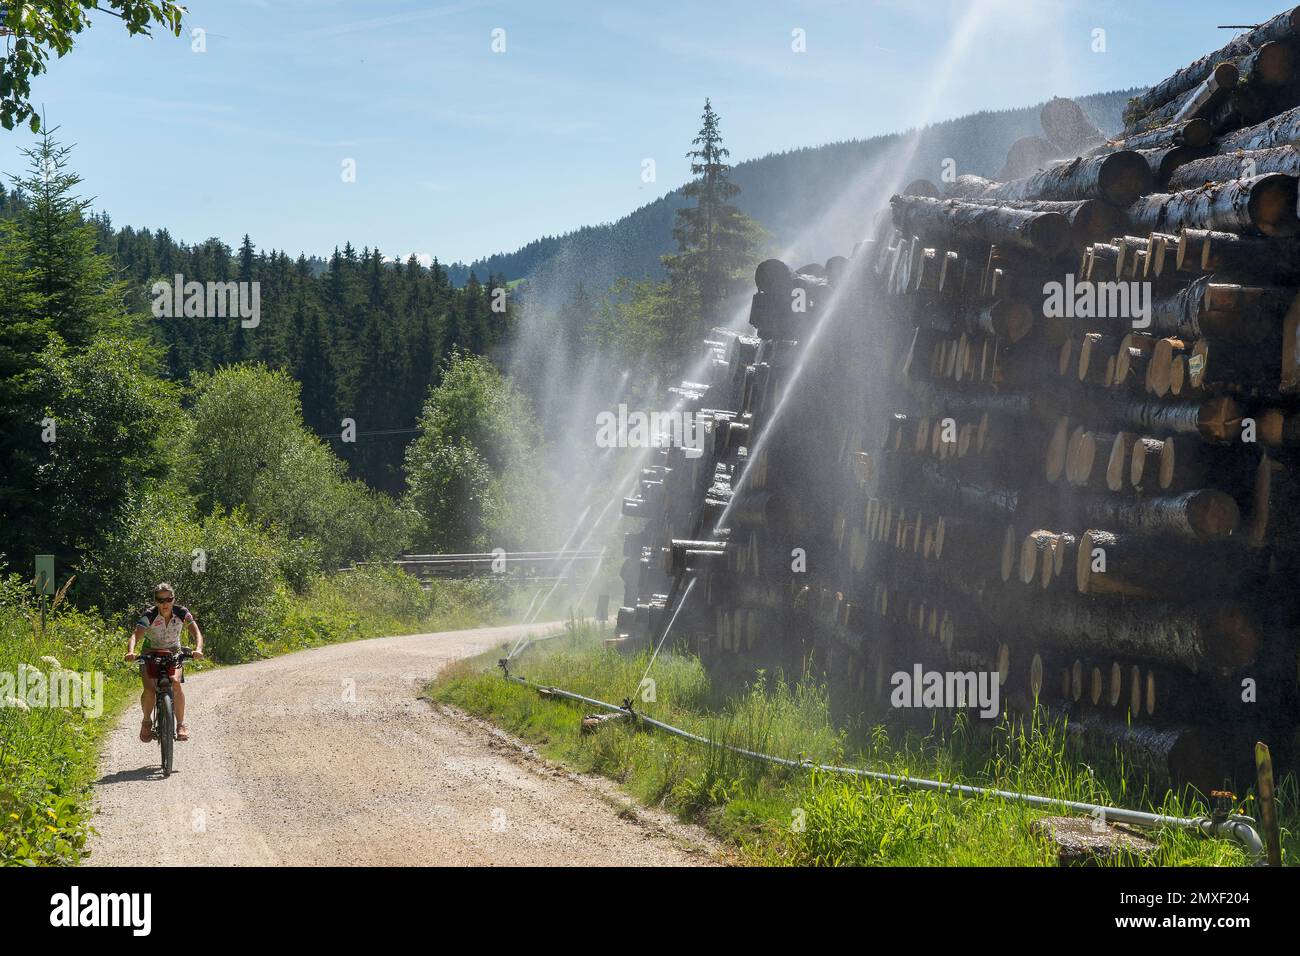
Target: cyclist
162,625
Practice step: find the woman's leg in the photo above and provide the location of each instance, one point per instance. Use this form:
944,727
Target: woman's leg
178,693
148,695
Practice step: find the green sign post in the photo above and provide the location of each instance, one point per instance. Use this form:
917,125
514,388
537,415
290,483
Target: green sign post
44,581
45,574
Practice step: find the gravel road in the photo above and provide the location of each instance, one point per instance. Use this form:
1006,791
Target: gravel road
328,757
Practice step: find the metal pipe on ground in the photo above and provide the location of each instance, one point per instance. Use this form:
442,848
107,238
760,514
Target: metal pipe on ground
1233,826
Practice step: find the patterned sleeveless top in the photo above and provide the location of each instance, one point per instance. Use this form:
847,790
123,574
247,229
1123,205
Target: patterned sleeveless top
164,635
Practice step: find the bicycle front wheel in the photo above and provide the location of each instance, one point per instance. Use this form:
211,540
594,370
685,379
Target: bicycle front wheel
166,731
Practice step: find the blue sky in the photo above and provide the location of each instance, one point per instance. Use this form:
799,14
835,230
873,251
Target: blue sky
461,151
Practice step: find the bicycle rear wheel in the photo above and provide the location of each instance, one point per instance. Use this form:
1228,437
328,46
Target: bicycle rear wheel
166,731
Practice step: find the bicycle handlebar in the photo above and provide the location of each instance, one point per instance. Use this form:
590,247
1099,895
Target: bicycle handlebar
181,656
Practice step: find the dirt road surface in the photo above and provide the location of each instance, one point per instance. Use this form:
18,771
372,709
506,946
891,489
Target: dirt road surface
329,757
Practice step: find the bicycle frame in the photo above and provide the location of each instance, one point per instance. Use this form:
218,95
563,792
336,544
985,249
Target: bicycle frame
166,738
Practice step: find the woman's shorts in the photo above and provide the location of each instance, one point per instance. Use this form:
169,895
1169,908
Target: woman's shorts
151,667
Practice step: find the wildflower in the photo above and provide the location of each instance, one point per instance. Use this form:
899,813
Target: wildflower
17,703
52,661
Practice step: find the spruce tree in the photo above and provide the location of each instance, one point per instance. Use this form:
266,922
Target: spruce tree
716,242
73,283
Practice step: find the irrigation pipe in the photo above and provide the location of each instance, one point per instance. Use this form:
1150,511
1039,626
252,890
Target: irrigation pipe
1231,825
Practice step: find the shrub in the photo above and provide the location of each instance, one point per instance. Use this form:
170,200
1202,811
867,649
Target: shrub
224,569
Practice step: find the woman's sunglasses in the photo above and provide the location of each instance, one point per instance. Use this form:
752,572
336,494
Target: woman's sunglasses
163,600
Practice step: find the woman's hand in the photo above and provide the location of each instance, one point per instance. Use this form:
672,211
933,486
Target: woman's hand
132,657
198,652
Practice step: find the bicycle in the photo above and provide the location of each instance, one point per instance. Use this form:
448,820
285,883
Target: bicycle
164,708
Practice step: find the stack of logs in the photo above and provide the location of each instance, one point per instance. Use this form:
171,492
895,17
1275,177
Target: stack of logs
1048,427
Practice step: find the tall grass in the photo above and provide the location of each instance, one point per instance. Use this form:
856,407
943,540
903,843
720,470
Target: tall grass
787,816
47,753
372,601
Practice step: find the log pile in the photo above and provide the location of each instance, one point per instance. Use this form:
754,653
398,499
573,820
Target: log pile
1049,427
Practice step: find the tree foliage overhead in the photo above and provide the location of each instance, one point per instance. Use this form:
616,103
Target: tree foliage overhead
32,29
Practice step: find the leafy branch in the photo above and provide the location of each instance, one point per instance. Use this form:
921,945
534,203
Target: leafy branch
31,31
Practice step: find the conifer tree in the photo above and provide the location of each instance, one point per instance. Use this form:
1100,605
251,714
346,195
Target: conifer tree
716,242
72,282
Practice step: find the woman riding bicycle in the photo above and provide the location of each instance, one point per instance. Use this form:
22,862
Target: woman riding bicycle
162,625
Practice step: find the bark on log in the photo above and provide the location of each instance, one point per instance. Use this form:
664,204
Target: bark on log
1226,311
1266,204
1194,133
1203,250
1009,551
1090,219
1239,164
1204,513
1226,120
1203,101
1290,381
1119,178
1279,130
1283,26
1215,639
1181,465
948,494
1270,65
1169,756
1166,161
1250,104
955,222
1235,368
1141,566
1216,419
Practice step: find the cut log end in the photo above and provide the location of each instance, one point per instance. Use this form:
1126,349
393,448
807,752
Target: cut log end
1273,205
1123,177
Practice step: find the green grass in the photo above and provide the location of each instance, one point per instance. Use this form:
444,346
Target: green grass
49,756
783,816
377,601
